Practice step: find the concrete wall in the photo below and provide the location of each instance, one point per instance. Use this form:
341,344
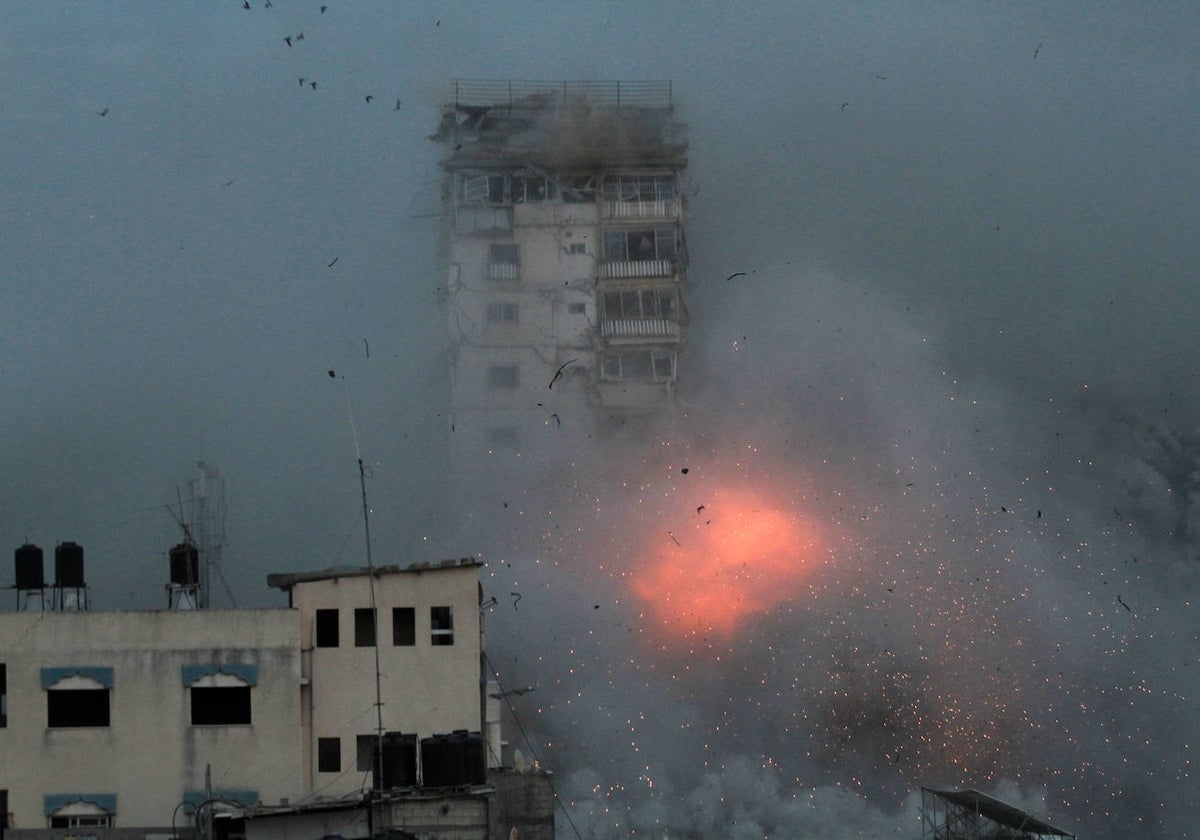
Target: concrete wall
425,689
150,755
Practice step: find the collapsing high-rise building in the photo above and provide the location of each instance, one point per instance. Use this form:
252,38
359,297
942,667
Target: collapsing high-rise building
567,261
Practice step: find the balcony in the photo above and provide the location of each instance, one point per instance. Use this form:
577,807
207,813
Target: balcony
623,269
639,329
470,220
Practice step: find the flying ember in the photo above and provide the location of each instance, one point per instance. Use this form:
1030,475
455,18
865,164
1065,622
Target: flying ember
735,556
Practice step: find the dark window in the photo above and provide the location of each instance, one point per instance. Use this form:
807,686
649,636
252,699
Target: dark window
503,252
77,707
327,628
222,706
577,248
645,244
404,626
364,750
441,626
644,303
3,812
3,714
644,365
502,313
530,188
577,308
364,627
86,821
503,376
329,755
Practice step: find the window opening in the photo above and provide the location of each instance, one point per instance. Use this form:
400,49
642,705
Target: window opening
226,705
441,623
502,313
644,303
404,626
3,715
640,244
577,308
639,188
577,248
579,189
327,628
364,752
364,627
329,755
530,188
77,707
638,365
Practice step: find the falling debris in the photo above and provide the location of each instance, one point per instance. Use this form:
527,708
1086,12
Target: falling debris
104,113
516,598
1037,50
335,259
738,274
332,375
558,373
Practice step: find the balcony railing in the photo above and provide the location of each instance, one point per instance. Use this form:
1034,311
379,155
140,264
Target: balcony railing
503,271
656,328
634,93
621,269
664,209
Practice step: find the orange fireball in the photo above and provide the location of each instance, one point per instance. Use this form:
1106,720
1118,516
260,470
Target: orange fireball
737,556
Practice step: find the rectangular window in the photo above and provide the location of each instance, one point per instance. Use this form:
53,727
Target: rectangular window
329,755
3,812
579,189
364,751
221,706
441,625
503,376
77,707
646,303
529,188
504,261
98,821
577,308
3,708
577,248
364,627
640,244
638,365
502,313
327,628
404,626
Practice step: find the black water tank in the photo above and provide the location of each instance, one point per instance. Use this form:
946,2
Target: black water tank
435,770
29,567
68,565
475,759
399,761
185,565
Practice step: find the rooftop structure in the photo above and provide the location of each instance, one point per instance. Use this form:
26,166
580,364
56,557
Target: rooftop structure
971,815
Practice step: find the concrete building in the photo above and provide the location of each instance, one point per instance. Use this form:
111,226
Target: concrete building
567,264
123,724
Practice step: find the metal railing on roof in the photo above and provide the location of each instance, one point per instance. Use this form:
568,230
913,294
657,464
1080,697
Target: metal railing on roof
633,94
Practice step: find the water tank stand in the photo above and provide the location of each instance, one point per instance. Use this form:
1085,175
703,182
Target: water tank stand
24,596
79,598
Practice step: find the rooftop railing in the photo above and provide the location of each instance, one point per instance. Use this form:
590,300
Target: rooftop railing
633,94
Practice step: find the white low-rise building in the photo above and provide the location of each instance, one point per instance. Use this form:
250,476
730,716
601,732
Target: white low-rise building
115,721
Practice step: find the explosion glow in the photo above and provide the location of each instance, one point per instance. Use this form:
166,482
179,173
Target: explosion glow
738,556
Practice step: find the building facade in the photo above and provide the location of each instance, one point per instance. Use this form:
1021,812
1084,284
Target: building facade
124,723
567,265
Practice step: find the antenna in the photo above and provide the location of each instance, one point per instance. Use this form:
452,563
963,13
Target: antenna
362,483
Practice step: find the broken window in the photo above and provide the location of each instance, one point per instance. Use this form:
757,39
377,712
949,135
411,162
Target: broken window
329,755
640,244
639,188
404,626
503,376
530,188
483,189
578,189
327,628
640,303
441,624
502,313
77,697
364,627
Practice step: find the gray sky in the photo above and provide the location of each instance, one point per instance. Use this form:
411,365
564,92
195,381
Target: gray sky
967,316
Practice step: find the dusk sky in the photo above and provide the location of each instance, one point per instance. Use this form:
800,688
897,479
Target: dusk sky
962,345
